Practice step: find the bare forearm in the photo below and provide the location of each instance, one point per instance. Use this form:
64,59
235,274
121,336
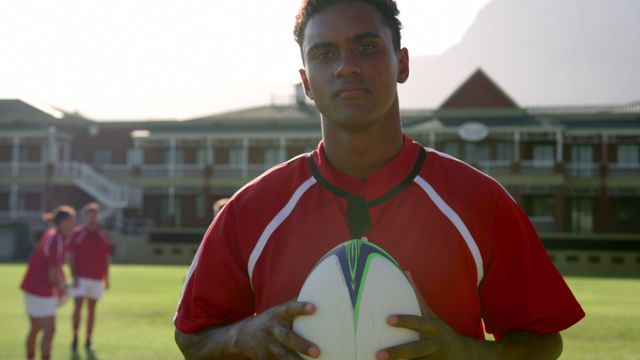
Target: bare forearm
520,346
72,266
216,342
54,277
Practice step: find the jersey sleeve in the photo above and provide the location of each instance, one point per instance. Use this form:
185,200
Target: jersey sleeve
217,289
522,290
55,254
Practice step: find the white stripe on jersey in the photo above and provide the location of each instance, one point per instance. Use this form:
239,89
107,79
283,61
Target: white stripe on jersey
273,225
47,244
456,221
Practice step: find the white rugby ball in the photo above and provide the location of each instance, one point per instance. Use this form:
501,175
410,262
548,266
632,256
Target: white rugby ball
355,287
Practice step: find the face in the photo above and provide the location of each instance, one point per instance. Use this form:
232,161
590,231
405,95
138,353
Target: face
351,68
91,217
68,224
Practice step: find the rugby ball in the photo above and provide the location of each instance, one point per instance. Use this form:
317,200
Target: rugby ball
354,288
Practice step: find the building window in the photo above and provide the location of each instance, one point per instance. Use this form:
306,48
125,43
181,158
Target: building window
582,215
505,152
541,206
200,206
201,156
476,153
628,210
179,160
542,155
134,156
271,156
628,154
102,156
452,149
30,202
236,157
582,160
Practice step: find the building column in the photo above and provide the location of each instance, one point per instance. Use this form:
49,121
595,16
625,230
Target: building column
67,152
559,166
559,145
245,157
516,146
283,149
172,157
210,152
516,166
432,139
171,202
53,147
15,156
14,202
604,156
559,202
604,212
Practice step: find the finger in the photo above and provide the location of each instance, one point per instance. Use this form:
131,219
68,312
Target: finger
281,353
295,342
294,308
425,326
426,309
411,350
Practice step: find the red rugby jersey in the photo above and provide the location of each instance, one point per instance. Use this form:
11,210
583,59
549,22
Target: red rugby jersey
91,249
48,254
470,249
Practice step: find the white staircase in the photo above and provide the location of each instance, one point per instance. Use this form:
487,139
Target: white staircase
112,196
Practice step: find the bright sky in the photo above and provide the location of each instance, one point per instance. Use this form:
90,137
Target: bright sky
140,59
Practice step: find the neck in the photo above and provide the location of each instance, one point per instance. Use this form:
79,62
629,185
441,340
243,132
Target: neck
360,152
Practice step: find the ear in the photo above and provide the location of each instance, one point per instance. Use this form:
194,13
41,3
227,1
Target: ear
305,83
403,65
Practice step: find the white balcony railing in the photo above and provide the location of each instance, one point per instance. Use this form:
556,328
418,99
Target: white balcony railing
23,215
497,167
23,168
537,167
624,169
582,169
542,223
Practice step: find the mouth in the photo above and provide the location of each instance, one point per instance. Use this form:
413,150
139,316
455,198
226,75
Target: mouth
350,92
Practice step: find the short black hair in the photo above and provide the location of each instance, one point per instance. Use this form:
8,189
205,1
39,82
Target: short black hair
387,9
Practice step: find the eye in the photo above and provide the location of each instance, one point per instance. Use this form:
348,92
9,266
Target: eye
366,48
323,55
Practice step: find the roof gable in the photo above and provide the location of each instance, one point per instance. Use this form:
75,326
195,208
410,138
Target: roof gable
479,91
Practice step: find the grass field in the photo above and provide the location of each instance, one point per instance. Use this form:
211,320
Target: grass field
134,319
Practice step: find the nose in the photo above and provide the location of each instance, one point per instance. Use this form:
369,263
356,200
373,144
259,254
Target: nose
347,65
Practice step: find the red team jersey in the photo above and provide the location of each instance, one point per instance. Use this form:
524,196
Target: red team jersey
470,249
91,249
48,254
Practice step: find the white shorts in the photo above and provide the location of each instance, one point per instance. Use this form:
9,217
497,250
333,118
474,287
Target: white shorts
40,306
88,288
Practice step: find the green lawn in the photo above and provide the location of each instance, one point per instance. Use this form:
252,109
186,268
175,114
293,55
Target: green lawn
134,319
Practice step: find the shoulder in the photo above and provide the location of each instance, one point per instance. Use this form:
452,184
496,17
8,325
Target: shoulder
451,175
275,185
248,213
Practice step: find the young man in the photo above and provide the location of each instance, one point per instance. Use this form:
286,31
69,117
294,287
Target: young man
471,251
43,284
88,251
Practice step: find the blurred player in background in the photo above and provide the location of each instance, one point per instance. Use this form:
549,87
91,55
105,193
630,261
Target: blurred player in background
88,252
218,205
44,283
